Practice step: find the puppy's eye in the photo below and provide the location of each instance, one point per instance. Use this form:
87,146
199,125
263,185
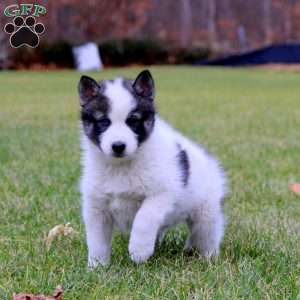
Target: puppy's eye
98,115
104,122
133,120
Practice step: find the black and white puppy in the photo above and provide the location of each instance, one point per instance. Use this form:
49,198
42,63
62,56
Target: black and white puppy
140,174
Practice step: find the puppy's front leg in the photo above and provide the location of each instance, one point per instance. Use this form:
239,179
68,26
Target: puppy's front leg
147,222
99,226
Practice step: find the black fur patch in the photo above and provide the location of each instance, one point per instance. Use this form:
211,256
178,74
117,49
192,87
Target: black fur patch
93,125
184,165
141,119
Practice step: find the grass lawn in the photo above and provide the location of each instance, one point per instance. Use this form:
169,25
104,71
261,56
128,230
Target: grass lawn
249,118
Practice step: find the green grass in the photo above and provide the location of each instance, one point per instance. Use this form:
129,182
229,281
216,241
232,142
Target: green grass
249,118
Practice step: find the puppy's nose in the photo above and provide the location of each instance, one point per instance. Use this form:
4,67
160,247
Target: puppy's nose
118,147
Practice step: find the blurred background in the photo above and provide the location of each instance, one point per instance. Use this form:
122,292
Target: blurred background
129,32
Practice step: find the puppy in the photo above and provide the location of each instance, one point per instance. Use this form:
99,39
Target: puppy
141,175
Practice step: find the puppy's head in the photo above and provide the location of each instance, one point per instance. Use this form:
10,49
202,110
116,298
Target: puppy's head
117,115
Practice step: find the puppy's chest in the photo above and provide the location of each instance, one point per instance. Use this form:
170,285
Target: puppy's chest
123,208
124,183
125,191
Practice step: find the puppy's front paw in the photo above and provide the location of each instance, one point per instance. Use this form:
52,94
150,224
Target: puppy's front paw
140,252
96,261
210,253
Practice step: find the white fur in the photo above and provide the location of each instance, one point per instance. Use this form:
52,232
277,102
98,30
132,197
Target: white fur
121,103
144,192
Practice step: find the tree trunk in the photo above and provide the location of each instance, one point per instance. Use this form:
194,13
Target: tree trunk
186,22
211,23
267,21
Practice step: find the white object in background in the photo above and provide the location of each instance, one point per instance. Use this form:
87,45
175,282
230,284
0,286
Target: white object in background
87,57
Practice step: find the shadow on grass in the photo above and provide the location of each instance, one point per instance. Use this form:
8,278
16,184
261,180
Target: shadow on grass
169,253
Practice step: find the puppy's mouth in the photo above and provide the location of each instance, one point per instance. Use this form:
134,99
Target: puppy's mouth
116,155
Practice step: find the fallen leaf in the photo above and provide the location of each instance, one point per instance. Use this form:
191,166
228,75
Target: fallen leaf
59,230
57,295
295,187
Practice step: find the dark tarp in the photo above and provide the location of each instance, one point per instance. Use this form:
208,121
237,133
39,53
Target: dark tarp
284,54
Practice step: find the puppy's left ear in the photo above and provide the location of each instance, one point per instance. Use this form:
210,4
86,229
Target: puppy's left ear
144,85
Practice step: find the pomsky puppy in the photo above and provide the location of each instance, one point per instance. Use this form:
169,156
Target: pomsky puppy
141,175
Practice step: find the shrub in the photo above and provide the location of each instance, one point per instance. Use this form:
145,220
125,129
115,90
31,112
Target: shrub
113,53
24,57
128,51
190,56
59,53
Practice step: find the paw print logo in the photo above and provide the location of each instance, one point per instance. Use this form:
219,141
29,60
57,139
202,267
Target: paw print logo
24,32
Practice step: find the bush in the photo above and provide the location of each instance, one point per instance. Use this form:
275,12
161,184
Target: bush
128,51
59,54
24,57
56,55
190,56
113,53
144,52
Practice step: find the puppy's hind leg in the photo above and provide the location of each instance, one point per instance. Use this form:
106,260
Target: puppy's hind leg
206,230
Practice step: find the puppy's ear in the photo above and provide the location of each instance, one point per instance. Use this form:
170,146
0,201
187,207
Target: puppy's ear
144,85
88,89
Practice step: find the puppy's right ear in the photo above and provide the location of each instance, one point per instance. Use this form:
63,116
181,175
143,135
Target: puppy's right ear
88,89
